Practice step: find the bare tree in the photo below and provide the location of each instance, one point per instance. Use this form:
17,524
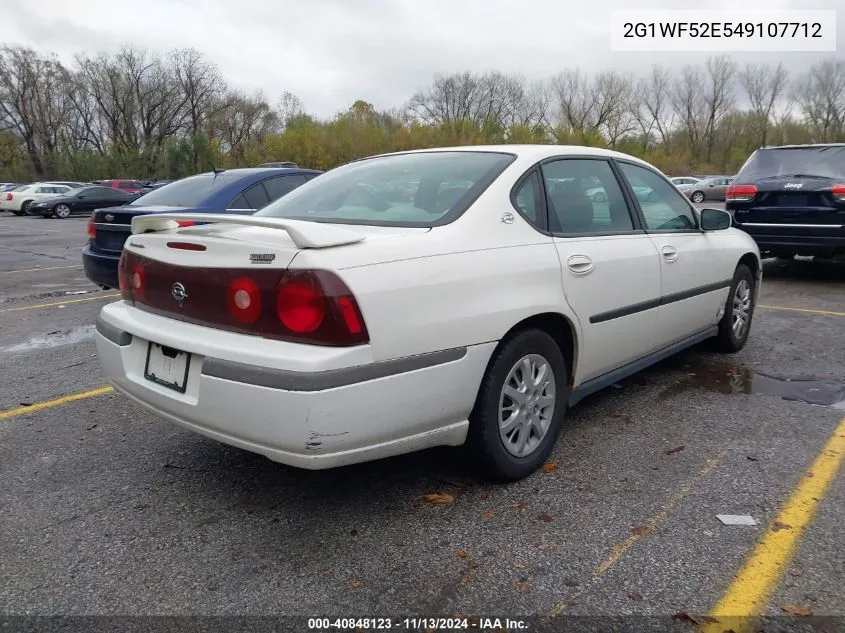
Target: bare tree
651,106
690,108
719,97
290,106
765,87
821,98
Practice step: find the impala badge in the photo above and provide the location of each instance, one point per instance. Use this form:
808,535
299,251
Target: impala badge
179,293
262,258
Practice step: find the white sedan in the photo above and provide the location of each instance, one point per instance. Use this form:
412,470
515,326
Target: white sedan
17,200
337,326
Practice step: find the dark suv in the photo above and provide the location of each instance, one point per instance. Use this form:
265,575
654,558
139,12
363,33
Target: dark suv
791,200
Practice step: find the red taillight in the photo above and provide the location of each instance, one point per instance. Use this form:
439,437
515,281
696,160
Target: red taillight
184,223
350,314
300,307
8,196
838,192
92,229
740,193
121,278
244,300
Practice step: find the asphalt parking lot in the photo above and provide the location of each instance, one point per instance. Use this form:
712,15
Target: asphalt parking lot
109,510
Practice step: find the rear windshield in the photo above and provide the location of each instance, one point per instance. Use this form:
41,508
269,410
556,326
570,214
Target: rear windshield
417,189
193,191
821,162
22,188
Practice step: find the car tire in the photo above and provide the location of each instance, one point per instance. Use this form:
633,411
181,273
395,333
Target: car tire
495,451
731,339
698,196
61,211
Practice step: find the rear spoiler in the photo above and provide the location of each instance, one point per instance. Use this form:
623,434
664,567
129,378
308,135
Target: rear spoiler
304,234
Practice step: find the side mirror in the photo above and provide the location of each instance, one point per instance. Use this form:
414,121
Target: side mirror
715,220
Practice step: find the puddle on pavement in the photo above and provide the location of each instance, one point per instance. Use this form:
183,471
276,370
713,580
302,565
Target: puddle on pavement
729,378
54,339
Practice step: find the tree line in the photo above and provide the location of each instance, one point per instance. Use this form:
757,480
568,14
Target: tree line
139,114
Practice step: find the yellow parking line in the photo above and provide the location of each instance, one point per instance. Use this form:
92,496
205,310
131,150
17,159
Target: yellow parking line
59,303
32,270
750,591
49,404
807,310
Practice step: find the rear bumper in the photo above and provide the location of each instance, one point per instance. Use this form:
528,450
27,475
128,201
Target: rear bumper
100,267
798,239
305,407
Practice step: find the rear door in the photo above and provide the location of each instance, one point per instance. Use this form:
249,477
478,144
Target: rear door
610,268
694,274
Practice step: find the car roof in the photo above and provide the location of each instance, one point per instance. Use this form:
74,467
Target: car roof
806,145
536,152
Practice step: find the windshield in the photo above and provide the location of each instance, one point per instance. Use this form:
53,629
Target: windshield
812,162
193,191
417,189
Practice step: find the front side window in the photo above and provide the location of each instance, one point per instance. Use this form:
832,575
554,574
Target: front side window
415,189
664,207
281,185
585,197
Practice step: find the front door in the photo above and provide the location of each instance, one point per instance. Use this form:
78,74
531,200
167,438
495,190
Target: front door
610,268
694,280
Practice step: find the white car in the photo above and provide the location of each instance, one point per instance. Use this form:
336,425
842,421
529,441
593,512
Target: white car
321,332
18,199
684,181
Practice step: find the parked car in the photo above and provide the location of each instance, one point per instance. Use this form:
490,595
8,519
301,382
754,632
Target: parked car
129,186
80,201
8,186
153,184
300,331
684,180
791,200
18,199
708,189
234,191
67,183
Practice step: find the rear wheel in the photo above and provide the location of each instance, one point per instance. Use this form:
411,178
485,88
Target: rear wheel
61,211
739,310
520,406
698,196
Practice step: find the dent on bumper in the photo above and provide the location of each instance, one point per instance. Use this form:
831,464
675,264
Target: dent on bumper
312,420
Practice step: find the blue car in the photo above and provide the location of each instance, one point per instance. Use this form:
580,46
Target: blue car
237,191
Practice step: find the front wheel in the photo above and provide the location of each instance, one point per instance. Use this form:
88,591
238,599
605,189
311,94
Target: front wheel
698,196
739,310
61,211
520,406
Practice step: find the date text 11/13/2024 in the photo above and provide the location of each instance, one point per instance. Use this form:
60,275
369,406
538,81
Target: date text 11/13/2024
418,624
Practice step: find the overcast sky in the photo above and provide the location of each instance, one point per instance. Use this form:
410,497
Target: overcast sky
331,52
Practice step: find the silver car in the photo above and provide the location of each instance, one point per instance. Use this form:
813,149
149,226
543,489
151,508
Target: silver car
708,189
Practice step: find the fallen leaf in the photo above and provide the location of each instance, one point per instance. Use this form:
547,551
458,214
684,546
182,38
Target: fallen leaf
811,474
522,586
26,404
777,525
518,506
462,554
677,449
642,530
636,597
750,458
489,514
327,573
549,467
438,497
91,428
520,566
545,518
472,565
484,496
795,609
697,619
355,583
464,577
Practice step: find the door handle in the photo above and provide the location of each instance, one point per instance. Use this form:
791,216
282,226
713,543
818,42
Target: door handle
580,264
670,253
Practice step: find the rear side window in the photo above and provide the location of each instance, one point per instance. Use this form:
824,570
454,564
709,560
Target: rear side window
795,162
281,185
127,185
255,196
420,189
585,197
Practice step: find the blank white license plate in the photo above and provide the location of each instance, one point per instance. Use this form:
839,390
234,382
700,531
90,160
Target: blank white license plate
167,367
